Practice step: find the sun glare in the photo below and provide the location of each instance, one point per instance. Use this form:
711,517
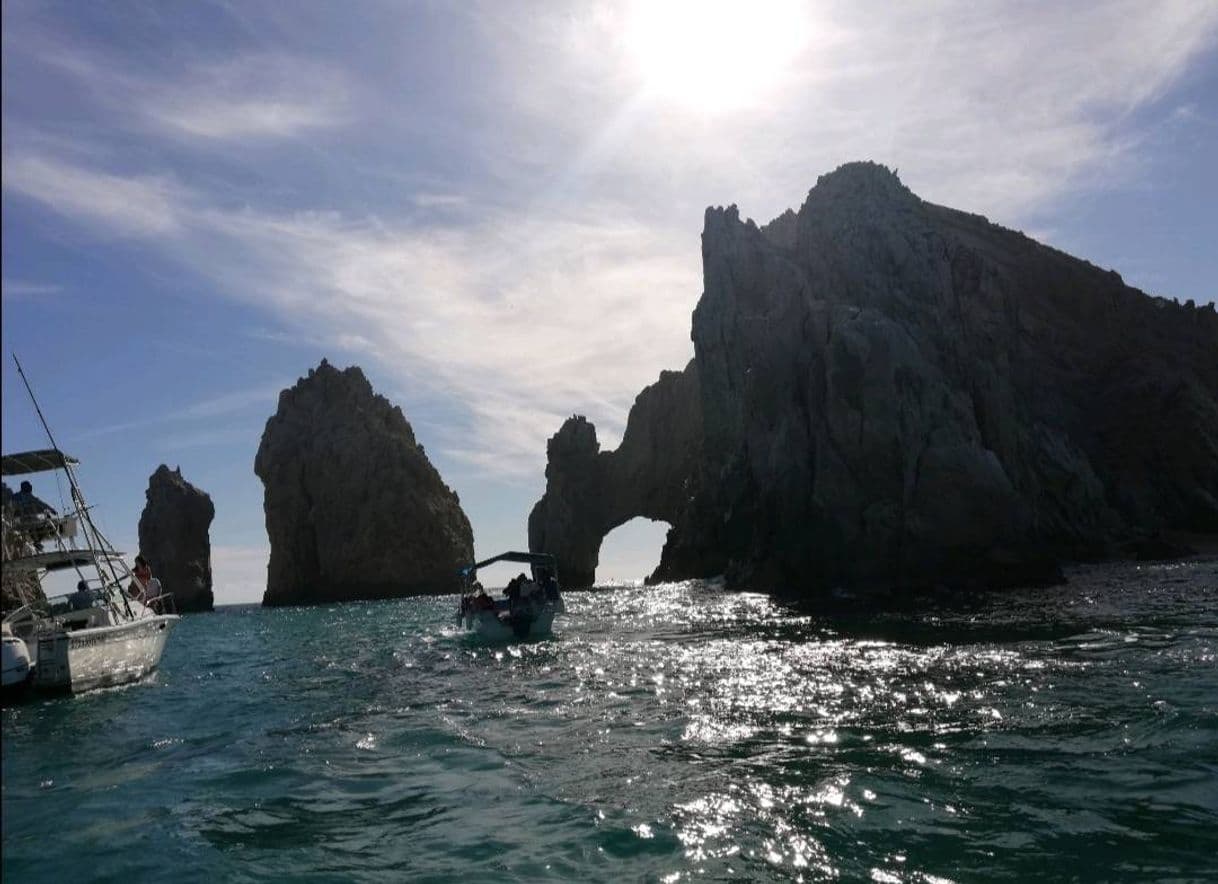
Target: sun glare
714,55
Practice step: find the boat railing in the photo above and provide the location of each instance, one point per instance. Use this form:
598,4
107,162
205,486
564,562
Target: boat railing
23,613
162,604
39,527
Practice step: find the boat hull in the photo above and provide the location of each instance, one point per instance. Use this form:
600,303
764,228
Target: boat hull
18,667
490,626
103,657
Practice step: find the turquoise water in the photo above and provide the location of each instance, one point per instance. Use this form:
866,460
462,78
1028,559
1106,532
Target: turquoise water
666,734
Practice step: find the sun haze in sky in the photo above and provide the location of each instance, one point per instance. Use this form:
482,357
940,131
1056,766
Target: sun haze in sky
714,55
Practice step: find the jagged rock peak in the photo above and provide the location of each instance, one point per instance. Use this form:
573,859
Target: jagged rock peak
577,435
783,231
354,509
861,179
862,190
174,538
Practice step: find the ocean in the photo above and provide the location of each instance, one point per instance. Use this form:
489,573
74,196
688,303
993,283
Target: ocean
669,733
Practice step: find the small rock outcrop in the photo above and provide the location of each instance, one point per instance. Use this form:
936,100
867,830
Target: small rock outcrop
174,538
354,509
896,393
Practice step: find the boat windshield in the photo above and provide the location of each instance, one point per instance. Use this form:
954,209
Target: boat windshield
80,600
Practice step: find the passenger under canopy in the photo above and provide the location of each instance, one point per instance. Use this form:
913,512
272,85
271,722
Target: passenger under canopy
35,462
528,607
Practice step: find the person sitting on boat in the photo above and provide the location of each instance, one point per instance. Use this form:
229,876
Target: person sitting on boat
82,598
480,600
34,517
513,589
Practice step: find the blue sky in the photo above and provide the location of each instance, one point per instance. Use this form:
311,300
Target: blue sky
494,208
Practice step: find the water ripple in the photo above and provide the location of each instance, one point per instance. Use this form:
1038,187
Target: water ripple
666,733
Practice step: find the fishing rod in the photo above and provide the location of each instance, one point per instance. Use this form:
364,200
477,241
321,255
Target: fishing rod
78,499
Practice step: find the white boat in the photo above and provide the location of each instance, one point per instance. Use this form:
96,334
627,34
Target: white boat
97,636
526,611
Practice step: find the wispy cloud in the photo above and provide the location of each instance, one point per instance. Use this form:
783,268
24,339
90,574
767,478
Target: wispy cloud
250,96
17,288
439,200
519,322
237,96
226,404
205,438
113,204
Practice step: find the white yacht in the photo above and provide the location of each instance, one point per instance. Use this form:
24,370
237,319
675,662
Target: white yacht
528,607
110,631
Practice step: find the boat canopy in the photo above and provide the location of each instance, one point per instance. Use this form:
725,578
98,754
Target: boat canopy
58,560
35,462
544,560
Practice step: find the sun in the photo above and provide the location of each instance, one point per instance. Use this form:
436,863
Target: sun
714,55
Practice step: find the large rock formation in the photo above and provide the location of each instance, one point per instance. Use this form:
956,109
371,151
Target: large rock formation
354,509
174,538
893,392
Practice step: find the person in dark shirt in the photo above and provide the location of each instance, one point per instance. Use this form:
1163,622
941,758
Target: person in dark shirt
24,502
82,598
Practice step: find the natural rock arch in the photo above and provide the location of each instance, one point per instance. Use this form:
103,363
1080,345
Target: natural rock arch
590,492
886,392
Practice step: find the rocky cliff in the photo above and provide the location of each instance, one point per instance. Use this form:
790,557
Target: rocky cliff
894,392
174,538
354,509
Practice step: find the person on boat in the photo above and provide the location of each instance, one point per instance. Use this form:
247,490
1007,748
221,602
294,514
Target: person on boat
144,588
549,586
33,517
24,502
480,601
82,598
512,590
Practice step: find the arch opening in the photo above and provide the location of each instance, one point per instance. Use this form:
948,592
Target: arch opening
631,552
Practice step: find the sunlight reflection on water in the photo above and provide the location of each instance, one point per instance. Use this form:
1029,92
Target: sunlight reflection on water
664,733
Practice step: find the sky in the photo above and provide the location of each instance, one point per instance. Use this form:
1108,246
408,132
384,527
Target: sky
494,209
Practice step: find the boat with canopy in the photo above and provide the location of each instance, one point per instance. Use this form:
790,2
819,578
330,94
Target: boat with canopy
528,607
112,630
